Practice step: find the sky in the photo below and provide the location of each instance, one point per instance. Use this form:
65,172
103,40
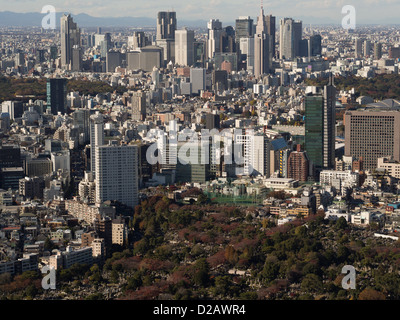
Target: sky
367,11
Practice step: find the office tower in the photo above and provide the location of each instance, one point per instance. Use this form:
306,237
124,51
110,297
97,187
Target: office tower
262,44
15,109
57,95
367,48
320,106
81,120
377,50
138,40
394,52
113,60
372,134
20,59
199,53
270,22
214,37
315,45
193,163
290,36
117,174
76,64
212,121
105,45
138,106
219,80
99,30
298,165
255,155
184,47
247,51
243,28
227,41
53,53
70,37
198,80
166,25
40,55
358,48
96,138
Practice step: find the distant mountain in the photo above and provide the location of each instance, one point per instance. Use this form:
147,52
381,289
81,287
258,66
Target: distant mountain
13,19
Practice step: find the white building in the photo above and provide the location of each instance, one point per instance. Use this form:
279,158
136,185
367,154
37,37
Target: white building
392,167
362,218
184,47
116,174
339,179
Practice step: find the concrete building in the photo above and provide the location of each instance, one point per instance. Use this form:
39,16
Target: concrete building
371,134
116,174
184,47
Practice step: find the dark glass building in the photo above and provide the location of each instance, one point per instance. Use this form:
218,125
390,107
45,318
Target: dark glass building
57,95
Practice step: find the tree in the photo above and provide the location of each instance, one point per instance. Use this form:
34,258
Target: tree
311,283
371,294
201,272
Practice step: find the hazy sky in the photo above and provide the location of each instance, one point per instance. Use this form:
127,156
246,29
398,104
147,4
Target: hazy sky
368,11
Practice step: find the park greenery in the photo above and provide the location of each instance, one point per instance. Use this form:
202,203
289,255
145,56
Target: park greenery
188,251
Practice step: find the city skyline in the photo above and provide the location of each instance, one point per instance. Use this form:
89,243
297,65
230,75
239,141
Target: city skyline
310,11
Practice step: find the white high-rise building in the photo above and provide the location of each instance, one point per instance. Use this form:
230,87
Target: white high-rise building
184,47
96,138
117,174
255,154
214,37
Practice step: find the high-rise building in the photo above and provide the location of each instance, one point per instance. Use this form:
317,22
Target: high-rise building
117,174
105,45
358,48
57,95
198,80
184,47
166,25
214,37
243,28
320,120
76,64
212,121
96,138
367,48
138,103
372,133
291,33
262,45
315,48
113,60
270,22
298,165
70,37
138,40
377,50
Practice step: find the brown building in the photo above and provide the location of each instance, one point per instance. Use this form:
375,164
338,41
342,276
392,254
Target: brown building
372,134
298,165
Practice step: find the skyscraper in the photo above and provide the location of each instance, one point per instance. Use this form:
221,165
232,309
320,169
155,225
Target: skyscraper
214,37
243,28
117,174
320,106
270,22
367,48
377,50
166,25
96,138
290,36
358,48
372,133
70,37
138,106
184,47
57,95
261,47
